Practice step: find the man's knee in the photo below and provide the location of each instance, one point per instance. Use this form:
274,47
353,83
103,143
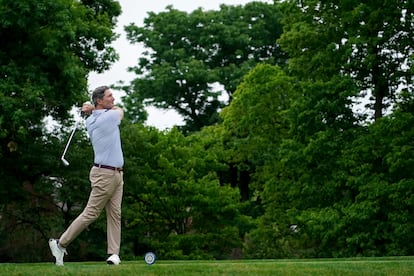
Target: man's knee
90,214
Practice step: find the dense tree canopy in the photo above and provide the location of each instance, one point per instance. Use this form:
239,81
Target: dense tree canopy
371,42
194,58
176,206
330,178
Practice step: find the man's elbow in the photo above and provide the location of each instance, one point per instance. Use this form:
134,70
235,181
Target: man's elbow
121,111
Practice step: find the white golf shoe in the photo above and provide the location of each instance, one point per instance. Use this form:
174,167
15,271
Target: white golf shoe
113,260
57,251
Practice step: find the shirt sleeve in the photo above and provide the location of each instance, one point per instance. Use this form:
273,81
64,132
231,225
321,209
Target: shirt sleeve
113,116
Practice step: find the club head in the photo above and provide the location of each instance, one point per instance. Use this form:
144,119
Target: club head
65,162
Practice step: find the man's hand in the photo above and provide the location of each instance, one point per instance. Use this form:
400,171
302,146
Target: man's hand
87,108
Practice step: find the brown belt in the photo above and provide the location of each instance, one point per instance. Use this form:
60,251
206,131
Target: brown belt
108,167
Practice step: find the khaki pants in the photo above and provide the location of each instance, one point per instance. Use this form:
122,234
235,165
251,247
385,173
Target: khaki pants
107,188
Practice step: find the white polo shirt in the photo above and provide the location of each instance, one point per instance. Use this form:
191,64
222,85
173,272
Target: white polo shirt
103,130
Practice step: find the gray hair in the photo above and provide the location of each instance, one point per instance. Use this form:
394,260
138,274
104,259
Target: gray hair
98,94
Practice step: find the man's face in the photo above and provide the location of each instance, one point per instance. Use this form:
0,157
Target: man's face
108,100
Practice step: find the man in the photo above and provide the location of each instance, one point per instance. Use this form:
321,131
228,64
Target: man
106,176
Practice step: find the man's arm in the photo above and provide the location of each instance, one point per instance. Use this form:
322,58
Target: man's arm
121,111
87,109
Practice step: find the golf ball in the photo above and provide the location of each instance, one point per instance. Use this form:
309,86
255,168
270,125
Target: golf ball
150,258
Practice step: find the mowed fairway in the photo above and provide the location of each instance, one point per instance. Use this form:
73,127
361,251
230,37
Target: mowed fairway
352,266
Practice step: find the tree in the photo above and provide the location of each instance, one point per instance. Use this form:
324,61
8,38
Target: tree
256,124
370,217
194,59
332,181
175,204
370,42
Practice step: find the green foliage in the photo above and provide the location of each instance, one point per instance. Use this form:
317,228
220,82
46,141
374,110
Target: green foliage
371,217
370,42
315,178
332,179
383,188
348,192
174,203
265,91
194,58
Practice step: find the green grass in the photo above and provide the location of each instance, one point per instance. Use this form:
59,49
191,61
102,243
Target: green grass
351,266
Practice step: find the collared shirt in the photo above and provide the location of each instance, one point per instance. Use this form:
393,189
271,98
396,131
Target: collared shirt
103,130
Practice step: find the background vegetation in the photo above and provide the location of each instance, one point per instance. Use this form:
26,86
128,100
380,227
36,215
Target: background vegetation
297,143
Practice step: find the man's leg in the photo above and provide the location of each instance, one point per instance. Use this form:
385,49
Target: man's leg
102,187
113,216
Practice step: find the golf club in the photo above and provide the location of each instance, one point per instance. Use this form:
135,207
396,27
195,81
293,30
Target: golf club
65,162
81,115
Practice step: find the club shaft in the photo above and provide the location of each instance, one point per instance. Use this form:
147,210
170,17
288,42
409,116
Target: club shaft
70,138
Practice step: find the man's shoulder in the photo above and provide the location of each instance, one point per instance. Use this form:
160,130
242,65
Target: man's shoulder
109,115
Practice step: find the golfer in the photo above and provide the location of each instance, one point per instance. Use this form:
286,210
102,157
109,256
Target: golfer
106,176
